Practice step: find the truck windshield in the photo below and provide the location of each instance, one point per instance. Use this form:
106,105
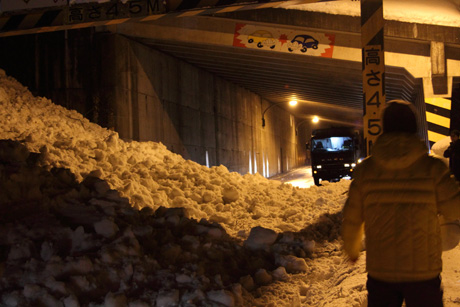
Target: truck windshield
340,143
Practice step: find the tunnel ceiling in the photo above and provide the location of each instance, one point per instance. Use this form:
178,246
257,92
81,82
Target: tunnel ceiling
329,88
275,77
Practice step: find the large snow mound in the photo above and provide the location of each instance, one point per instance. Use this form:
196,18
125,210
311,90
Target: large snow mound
149,175
87,219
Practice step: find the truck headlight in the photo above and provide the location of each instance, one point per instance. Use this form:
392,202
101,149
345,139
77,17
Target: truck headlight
346,165
318,166
353,164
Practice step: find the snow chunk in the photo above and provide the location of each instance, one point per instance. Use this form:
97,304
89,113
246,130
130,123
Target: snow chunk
19,251
292,263
71,301
106,228
115,300
230,194
223,297
183,278
280,274
166,299
10,299
260,238
263,277
247,282
46,250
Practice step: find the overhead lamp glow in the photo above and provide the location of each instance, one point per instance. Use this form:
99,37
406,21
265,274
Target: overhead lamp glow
293,102
315,119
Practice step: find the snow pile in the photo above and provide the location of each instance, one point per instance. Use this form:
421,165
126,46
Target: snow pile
88,219
151,176
66,243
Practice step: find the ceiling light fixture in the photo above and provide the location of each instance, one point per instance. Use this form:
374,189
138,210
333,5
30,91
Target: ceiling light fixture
292,102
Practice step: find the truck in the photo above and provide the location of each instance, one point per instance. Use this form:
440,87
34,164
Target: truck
334,153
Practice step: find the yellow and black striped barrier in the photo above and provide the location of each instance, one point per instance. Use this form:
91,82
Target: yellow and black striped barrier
373,66
77,16
438,111
50,19
115,12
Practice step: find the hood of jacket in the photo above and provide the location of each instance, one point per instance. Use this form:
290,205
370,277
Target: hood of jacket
398,150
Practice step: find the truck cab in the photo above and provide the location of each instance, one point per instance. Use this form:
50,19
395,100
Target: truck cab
334,153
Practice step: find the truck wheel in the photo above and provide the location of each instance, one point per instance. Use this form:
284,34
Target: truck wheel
316,180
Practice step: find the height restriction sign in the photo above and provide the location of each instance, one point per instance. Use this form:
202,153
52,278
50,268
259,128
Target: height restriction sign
374,95
373,69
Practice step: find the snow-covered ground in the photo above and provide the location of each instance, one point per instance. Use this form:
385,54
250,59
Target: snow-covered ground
88,219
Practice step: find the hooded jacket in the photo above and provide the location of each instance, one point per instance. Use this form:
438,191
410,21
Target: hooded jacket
395,198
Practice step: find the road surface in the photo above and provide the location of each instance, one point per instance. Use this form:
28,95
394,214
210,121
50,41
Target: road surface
299,177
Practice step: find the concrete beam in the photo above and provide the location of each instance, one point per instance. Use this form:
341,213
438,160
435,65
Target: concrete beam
352,24
419,59
220,32
438,69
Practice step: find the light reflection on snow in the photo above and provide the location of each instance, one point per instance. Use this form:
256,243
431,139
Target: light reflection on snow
299,177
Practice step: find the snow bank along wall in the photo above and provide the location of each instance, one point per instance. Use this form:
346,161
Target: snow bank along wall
147,95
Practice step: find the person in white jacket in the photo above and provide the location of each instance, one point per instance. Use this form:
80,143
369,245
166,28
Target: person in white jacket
394,200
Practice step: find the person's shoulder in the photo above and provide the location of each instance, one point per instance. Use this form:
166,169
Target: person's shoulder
434,158
436,163
364,162
363,167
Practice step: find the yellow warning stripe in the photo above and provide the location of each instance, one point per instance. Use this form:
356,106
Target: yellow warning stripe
230,9
152,17
45,29
30,20
266,5
438,119
435,137
30,23
117,21
439,102
441,122
191,13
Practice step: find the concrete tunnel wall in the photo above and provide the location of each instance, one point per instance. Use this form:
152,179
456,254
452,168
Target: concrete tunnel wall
196,114
146,95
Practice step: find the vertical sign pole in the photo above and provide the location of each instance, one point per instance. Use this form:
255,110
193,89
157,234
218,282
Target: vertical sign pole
373,66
